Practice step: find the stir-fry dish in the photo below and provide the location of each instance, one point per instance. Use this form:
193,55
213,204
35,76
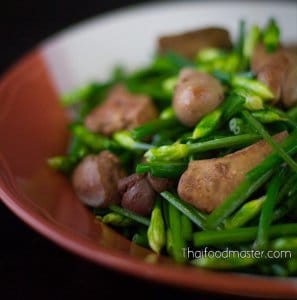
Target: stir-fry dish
195,153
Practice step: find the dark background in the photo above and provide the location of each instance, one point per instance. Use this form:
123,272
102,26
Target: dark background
31,267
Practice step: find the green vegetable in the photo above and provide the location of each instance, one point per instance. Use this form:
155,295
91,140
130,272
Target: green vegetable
160,169
168,153
169,242
290,182
192,213
267,116
279,270
118,73
252,86
177,61
292,266
129,214
178,242
84,93
165,211
240,235
116,219
240,39
250,42
232,63
156,232
66,163
273,269
77,148
169,85
101,212
246,213
273,160
232,105
267,211
223,77
262,131
150,128
271,36
207,124
292,113
237,126
94,141
251,101
208,55
62,163
176,152
283,115
140,239
167,113
125,139
168,136
211,59
284,244
243,191
149,86
286,208
186,228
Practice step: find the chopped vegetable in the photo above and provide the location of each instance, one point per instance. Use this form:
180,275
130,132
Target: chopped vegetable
271,35
156,231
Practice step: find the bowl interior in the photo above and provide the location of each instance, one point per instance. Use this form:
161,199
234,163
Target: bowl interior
33,127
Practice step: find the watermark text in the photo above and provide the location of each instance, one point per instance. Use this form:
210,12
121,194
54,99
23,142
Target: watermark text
228,253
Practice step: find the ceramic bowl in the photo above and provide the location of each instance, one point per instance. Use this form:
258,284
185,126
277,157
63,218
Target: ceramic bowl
33,128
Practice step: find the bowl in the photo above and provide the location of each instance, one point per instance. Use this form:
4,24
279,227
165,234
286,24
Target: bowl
33,128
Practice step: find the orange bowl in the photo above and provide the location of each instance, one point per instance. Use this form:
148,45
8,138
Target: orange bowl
33,128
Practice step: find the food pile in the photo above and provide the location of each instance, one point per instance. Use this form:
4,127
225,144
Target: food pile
196,150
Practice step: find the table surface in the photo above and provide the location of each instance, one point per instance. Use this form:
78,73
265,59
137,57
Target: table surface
32,267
